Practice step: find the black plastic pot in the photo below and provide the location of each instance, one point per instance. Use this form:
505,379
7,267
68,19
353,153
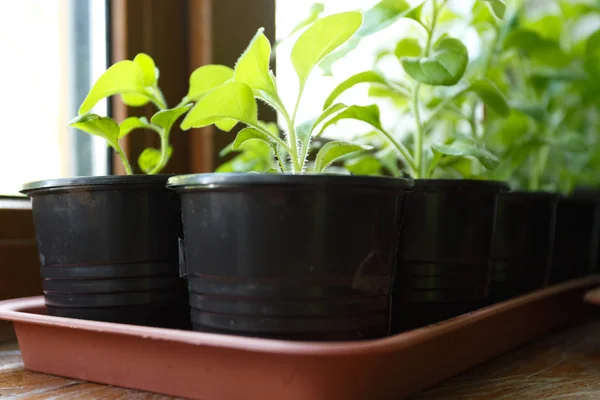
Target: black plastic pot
444,252
108,249
576,238
306,257
523,242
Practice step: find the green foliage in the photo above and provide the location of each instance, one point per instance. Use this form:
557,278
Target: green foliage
136,81
234,101
445,66
320,39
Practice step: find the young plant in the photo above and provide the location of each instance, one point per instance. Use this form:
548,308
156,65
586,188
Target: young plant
549,63
438,90
234,101
136,81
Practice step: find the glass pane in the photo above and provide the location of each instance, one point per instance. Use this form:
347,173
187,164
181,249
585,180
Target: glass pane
52,51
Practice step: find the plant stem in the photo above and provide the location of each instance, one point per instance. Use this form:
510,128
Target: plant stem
164,151
418,146
444,105
403,150
291,124
269,134
123,157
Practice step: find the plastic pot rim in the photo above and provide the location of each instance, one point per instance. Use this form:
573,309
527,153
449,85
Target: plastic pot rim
461,183
96,182
211,181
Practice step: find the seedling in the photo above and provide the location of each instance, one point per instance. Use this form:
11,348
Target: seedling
235,101
550,65
136,81
439,63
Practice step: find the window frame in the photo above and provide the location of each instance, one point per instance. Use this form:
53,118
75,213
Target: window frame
180,36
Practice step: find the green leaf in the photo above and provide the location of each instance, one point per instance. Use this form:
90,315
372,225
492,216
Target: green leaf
361,77
148,68
315,11
570,142
364,165
123,77
250,134
233,100
399,100
498,7
445,66
487,159
252,68
166,118
368,114
592,54
305,129
206,78
375,19
93,124
548,27
332,151
543,50
491,96
409,47
131,123
226,124
320,39
134,99
150,158
536,112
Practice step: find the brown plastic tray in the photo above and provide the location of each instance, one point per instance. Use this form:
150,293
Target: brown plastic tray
210,366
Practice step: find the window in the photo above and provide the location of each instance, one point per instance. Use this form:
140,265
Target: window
52,52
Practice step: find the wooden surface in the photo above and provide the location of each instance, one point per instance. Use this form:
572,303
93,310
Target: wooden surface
559,366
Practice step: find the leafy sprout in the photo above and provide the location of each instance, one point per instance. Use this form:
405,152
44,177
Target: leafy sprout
136,82
234,101
439,85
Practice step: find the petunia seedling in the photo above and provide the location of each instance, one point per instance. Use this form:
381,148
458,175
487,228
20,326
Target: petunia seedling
235,101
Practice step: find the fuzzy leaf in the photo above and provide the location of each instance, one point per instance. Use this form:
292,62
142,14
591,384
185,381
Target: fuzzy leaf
375,19
131,123
487,159
332,151
206,78
134,99
166,118
122,77
93,124
148,68
409,47
252,67
226,124
361,77
320,39
250,134
491,96
150,158
445,66
233,100
368,114
305,129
